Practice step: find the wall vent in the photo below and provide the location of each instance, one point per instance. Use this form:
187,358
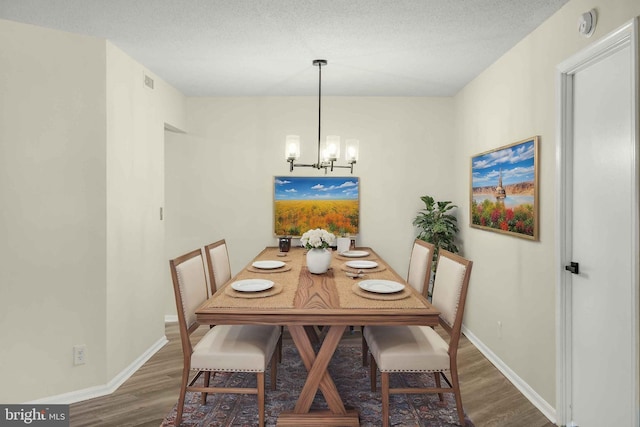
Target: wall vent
148,81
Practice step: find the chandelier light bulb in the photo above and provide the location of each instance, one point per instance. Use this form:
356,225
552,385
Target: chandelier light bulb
332,147
351,155
292,147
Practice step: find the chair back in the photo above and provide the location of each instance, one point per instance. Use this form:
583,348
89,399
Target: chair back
190,289
450,291
218,264
420,266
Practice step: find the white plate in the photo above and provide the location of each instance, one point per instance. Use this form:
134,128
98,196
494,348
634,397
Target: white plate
381,286
355,254
361,264
268,265
252,285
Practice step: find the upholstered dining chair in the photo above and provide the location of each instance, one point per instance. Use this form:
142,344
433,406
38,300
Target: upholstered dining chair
419,272
418,276
237,348
217,256
218,264
414,349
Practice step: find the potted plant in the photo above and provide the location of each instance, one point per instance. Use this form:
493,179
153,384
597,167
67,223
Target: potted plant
317,243
437,226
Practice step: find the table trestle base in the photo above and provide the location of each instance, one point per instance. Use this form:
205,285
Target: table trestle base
319,418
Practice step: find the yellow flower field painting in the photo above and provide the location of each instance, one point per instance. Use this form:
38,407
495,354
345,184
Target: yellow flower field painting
305,203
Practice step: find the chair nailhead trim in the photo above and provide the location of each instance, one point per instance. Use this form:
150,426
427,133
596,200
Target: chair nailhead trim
227,370
416,371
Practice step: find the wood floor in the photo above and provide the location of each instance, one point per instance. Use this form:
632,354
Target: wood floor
488,397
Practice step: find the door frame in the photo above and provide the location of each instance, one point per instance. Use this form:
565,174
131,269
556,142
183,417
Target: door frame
623,37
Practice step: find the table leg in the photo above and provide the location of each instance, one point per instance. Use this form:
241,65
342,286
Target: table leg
313,334
318,377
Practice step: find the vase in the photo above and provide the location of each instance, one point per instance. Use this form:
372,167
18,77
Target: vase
318,260
284,244
343,244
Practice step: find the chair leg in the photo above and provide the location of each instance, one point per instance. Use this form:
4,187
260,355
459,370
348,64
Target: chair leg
260,381
436,376
373,372
384,379
456,390
207,378
365,349
274,370
183,392
280,345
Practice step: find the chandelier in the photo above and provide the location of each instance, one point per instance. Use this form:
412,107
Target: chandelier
331,150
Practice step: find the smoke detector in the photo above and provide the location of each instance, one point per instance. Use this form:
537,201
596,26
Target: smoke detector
587,23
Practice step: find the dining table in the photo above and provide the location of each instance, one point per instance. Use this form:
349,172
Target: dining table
351,293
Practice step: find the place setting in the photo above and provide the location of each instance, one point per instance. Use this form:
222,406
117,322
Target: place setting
269,266
380,289
361,267
253,288
353,253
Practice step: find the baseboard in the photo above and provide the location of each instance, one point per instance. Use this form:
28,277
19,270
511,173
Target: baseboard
170,318
110,387
519,383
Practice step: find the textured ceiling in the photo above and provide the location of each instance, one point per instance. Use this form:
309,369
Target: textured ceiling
265,47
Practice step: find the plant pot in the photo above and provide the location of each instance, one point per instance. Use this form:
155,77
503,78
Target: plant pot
318,260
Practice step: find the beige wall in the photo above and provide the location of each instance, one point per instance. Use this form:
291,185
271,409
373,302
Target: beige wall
135,192
52,187
81,146
514,279
219,177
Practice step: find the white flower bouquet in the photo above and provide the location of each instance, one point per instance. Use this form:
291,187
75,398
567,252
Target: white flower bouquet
317,239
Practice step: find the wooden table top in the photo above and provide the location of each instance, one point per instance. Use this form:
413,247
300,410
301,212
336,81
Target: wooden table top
316,299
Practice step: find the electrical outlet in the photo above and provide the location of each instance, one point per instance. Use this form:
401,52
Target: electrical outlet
79,354
499,329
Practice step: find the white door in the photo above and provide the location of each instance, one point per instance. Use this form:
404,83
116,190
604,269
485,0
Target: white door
599,231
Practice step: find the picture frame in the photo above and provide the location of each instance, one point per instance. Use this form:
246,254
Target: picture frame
302,203
504,189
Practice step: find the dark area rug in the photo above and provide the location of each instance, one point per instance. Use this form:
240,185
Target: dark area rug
352,380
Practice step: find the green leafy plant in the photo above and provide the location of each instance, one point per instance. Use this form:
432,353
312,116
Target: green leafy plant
437,225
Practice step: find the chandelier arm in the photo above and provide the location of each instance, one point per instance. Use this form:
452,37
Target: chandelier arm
349,166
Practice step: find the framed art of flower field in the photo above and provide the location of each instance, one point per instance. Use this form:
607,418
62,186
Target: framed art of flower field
306,203
504,189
